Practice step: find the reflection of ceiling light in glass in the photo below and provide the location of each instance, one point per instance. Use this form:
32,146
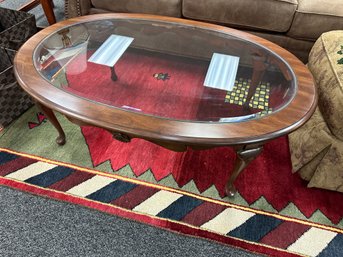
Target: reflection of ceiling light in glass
111,50
222,71
239,118
131,108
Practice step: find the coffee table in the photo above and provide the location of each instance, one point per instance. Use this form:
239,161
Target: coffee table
177,83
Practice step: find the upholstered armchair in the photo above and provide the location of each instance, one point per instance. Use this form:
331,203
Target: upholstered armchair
317,147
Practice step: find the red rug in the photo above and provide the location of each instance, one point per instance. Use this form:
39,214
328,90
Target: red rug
273,213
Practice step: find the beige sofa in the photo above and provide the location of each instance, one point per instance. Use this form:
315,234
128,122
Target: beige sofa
293,24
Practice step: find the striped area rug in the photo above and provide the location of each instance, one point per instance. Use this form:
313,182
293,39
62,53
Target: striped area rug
168,208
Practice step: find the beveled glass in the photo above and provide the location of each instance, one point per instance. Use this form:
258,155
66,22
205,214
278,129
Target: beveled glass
160,69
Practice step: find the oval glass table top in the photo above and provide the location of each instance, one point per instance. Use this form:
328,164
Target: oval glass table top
166,69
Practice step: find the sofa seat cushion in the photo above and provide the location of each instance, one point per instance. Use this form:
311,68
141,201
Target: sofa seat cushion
326,65
159,7
271,15
314,17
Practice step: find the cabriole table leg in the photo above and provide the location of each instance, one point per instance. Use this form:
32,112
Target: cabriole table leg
244,156
61,139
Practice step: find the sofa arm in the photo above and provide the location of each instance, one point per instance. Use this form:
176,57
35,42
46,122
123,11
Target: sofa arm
74,8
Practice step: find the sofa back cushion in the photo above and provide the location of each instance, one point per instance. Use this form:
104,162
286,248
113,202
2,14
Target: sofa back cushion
272,15
160,7
314,17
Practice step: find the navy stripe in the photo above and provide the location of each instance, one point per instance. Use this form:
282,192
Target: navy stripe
112,191
334,248
50,177
255,228
180,208
6,157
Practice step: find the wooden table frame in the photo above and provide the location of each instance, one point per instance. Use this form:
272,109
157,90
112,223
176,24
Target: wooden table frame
47,6
247,137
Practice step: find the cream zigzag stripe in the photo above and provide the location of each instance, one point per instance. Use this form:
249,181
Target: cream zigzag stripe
227,220
312,242
157,202
90,186
31,171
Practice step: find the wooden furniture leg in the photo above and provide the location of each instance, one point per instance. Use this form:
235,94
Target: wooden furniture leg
61,139
48,10
244,156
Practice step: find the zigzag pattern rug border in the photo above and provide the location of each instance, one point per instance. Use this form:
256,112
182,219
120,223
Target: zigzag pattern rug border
204,194
145,218
210,190
208,193
158,222
161,208
144,183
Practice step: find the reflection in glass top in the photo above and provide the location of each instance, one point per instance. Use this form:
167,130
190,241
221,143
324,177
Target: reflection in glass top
167,70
